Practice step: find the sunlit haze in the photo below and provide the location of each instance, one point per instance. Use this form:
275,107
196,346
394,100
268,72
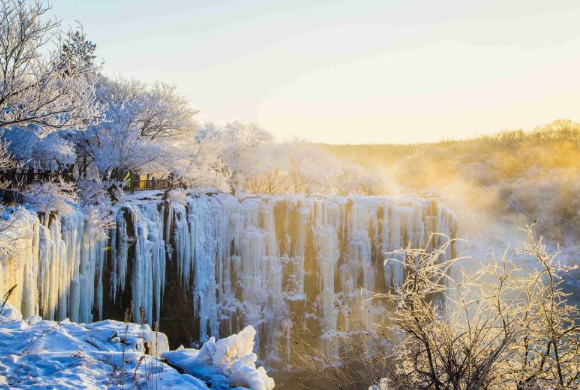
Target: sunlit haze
350,71
290,194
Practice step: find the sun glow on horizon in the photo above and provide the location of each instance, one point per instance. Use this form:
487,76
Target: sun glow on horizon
353,72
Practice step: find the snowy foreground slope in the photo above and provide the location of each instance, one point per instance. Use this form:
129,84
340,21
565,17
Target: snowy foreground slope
37,354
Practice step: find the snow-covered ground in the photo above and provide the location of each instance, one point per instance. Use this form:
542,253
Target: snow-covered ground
38,354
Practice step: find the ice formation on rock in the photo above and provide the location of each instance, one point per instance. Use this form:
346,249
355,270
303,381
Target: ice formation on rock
260,261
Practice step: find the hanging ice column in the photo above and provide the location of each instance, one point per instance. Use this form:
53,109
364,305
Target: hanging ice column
266,260
220,263
56,265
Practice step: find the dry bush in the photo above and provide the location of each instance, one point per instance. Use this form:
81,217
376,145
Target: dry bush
501,328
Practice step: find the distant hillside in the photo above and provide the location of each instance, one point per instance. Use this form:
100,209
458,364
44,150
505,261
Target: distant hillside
512,174
556,134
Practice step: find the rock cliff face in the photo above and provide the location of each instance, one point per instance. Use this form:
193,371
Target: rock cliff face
212,264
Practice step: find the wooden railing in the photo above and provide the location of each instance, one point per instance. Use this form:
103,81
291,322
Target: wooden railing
10,196
19,179
149,184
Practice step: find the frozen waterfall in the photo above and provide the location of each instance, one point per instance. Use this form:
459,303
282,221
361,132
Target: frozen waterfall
216,263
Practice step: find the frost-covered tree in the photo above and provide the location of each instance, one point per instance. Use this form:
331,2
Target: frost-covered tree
48,196
6,162
78,53
352,179
235,149
157,111
346,177
198,165
165,114
372,183
308,169
140,127
303,168
28,148
116,148
272,175
46,78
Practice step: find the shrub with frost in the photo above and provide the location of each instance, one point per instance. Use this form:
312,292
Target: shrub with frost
498,328
59,196
232,151
95,199
177,196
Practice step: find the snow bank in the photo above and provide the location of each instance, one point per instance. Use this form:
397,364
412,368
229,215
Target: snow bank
37,354
229,362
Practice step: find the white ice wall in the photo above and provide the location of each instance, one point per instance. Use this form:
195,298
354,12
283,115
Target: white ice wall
258,261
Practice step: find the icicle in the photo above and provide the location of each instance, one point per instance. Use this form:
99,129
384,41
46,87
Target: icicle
259,261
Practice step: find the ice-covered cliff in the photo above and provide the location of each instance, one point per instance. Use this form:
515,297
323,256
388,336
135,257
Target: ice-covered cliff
208,265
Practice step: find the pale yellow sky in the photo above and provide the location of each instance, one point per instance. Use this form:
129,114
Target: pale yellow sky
359,71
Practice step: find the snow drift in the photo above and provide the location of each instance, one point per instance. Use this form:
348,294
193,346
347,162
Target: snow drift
37,354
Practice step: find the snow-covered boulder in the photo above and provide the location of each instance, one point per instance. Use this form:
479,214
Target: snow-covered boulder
8,313
225,363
